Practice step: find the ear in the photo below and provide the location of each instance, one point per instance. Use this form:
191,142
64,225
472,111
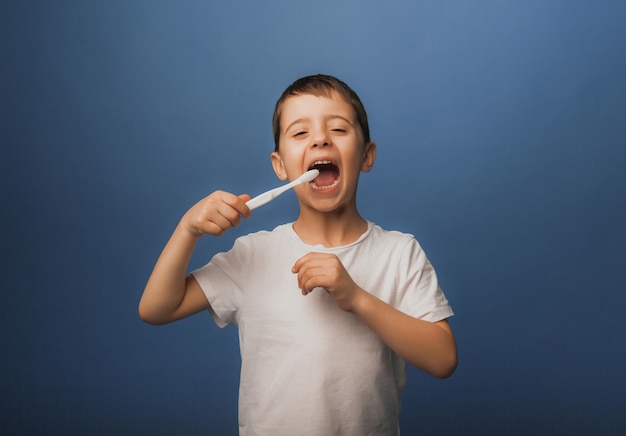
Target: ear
369,157
279,167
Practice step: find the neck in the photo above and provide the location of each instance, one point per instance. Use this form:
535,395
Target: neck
331,229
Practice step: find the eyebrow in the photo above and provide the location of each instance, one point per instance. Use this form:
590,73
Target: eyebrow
329,118
299,120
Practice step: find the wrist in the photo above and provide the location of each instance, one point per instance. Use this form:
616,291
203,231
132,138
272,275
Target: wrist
360,301
186,233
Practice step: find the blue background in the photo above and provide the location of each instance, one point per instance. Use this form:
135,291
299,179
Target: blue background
501,133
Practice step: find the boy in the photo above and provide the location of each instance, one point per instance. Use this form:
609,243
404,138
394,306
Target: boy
332,363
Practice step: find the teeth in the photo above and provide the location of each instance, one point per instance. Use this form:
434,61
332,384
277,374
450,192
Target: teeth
322,188
321,162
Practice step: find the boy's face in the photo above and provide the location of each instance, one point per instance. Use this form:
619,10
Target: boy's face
323,133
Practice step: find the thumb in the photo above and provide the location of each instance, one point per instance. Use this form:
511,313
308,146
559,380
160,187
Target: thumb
245,212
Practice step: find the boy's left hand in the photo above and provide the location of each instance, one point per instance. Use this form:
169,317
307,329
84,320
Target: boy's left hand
326,270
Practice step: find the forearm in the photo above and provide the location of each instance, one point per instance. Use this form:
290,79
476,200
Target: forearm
428,346
166,286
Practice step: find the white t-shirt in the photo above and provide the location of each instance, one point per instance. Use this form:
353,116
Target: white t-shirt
309,368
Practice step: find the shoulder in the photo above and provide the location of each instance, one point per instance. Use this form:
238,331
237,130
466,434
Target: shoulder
393,237
260,241
264,235
395,245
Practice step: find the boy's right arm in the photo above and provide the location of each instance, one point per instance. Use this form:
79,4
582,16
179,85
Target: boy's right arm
170,294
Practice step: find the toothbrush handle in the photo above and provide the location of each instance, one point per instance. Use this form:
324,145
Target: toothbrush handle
259,200
266,197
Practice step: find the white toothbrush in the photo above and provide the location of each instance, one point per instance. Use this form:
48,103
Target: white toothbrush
268,196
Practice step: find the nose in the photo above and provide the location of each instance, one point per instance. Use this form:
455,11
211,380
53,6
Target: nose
320,139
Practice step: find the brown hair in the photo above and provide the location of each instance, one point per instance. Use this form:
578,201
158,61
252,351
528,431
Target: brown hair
321,85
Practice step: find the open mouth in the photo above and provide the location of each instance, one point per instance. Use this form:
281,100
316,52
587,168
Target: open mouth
328,177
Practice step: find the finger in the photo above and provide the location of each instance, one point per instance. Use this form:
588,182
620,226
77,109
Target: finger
228,216
210,228
238,202
302,264
218,217
296,266
233,207
306,259
311,278
215,225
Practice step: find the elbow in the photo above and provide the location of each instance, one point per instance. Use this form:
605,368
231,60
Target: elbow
446,370
446,366
151,320
437,366
447,360
150,317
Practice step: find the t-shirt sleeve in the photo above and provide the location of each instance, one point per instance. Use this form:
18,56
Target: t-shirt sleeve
221,282
420,295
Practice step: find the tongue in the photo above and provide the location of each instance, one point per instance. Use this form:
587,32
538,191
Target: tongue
326,178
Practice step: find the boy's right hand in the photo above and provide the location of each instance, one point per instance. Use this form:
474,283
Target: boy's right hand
215,214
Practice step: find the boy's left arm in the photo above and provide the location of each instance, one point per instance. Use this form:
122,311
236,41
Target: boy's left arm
426,345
